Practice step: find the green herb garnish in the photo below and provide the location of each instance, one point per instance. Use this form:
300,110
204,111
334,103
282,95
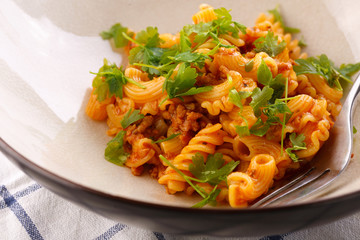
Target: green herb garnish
324,67
271,111
260,98
168,138
183,83
297,144
212,172
249,65
110,81
116,33
236,97
131,117
222,25
269,44
115,152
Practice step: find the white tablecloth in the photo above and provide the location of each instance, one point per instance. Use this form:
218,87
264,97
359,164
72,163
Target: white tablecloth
29,211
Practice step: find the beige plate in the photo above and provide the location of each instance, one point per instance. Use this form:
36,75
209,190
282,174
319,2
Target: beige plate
47,49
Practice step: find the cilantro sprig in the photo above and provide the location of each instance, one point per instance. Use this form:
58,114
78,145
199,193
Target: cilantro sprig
236,97
115,152
269,44
260,99
183,83
264,76
297,144
324,67
266,101
130,117
160,61
172,136
213,171
148,51
273,113
213,29
116,33
109,81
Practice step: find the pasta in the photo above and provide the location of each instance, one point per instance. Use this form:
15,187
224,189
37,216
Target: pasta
218,109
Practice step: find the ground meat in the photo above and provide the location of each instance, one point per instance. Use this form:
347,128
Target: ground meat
142,130
145,123
185,121
208,80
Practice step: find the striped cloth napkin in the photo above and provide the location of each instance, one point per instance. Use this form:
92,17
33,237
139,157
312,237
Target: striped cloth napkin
29,211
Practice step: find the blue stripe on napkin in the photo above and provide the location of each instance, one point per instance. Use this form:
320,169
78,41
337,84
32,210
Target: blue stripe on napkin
23,193
20,213
111,232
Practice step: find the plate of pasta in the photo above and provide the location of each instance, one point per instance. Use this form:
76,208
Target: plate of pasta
180,126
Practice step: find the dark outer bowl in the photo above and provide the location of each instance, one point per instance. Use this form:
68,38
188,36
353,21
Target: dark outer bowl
178,220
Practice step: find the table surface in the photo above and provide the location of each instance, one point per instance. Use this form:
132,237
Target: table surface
29,211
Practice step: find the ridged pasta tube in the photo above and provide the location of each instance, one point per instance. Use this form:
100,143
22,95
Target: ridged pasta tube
244,187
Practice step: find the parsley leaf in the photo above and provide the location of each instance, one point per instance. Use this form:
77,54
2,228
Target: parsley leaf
197,59
236,97
116,32
185,43
167,139
148,37
354,130
297,144
264,74
277,84
324,67
260,98
272,113
131,117
201,30
225,23
213,171
347,70
222,25
278,18
195,90
249,65
109,81
260,127
147,56
147,52
115,152
242,131
269,44
183,83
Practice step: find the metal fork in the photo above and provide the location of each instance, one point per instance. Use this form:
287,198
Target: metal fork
327,165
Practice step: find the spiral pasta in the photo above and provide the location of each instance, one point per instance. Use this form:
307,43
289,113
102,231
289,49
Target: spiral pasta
204,142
